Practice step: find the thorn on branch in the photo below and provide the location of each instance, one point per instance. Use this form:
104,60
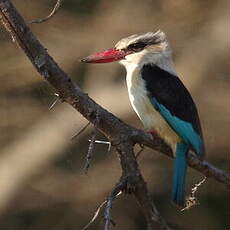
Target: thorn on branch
55,102
81,131
53,12
104,142
140,151
192,200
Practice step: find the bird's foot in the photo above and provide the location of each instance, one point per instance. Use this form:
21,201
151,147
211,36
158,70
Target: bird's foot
130,184
152,132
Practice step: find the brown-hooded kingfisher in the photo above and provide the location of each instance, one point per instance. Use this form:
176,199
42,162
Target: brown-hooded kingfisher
159,98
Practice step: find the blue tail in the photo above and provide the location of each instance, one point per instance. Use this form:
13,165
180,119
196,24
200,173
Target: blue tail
180,168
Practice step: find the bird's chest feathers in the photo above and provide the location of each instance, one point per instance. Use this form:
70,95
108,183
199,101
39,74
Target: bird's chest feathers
140,101
138,96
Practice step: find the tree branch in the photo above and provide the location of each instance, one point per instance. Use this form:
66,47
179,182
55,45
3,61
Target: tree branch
137,185
52,13
122,136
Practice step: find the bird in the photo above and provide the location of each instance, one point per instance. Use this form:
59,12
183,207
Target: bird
159,98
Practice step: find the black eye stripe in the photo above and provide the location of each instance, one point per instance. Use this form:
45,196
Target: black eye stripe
136,46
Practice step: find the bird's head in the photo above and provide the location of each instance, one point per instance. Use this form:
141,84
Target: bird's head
138,49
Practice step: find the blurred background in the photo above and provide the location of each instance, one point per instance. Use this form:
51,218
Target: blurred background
42,182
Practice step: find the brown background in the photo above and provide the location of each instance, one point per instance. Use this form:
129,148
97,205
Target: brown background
42,183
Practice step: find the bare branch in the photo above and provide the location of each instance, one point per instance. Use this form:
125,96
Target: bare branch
98,211
90,151
53,12
137,186
117,190
204,167
91,145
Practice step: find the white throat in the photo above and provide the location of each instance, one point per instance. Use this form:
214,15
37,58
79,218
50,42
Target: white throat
136,61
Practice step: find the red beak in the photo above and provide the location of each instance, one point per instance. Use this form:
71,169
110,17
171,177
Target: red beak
109,55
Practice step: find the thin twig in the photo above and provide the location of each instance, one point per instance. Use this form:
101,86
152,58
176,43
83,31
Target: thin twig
192,200
53,12
117,190
95,215
92,143
90,151
97,212
81,131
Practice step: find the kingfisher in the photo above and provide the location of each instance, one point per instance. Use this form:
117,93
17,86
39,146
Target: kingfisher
159,98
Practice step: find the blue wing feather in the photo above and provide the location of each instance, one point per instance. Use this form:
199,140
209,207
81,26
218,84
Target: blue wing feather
183,128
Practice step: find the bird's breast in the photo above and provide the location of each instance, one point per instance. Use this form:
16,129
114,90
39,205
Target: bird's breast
141,104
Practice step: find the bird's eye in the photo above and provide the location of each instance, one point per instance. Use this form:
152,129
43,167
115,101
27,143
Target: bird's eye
136,47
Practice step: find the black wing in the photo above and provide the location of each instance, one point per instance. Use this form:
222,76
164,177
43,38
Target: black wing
169,91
